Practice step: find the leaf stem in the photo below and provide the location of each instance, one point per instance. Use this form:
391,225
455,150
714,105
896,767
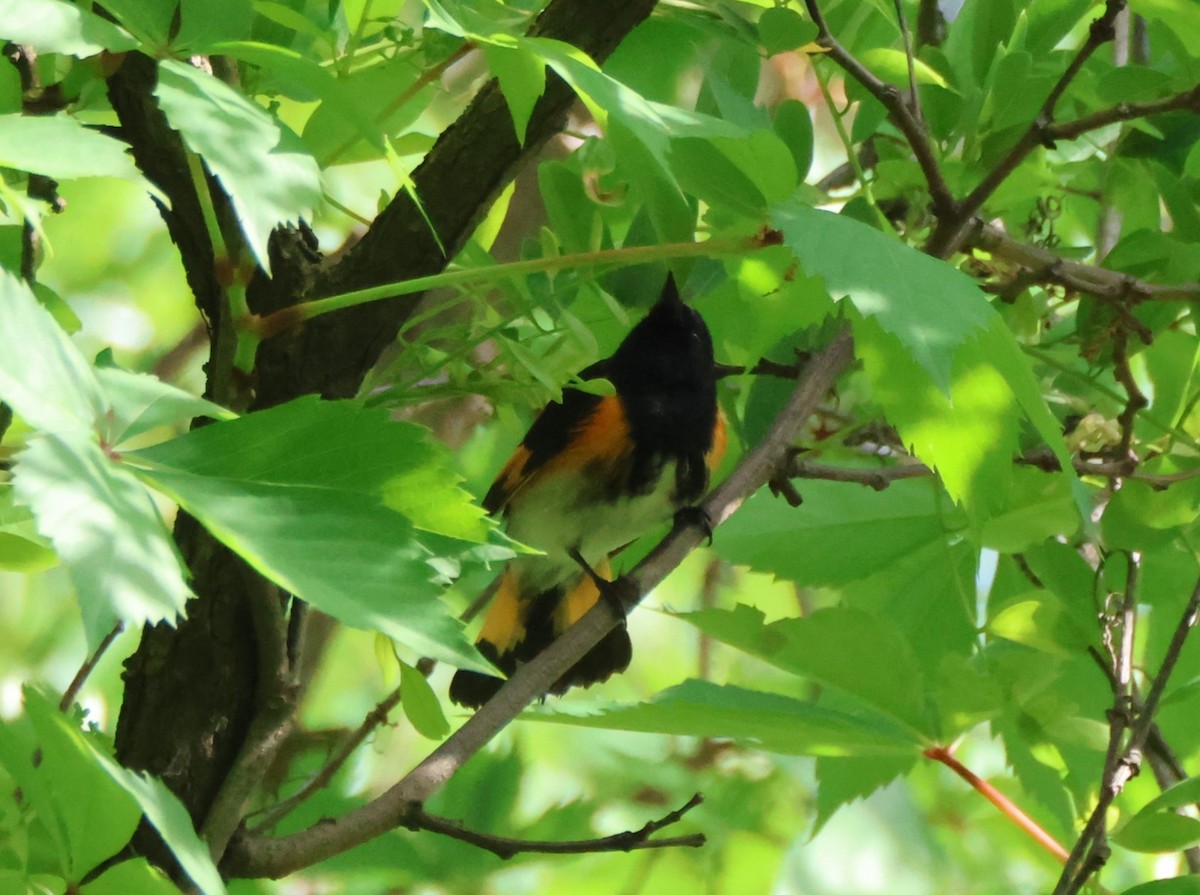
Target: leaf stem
271,324
1007,807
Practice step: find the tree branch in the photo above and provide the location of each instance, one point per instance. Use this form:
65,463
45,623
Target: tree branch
504,847
1070,130
943,202
1049,267
882,477
1084,857
251,855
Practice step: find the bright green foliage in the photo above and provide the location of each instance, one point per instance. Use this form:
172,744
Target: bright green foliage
61,147
268,176
55,26
314,494
1034,375
84,807
776,723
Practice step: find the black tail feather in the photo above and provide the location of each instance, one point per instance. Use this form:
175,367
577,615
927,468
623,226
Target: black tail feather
610,656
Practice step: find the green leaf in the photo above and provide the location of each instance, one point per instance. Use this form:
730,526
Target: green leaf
841,781
743,174
205,23
1040,506
1177,15
421,705
1159,832
374,90
322,498
167,815
91,799
105,528
763,720
892,66
929,306
929,596
522,77
1186,792
21,548
1038,620
781,29
843,648
62,148
1138,516
1040,780
96,814
811,544
53,26
134,876
654,124
336,445
793,124
42,375
261,164
147,20
338,96
140,403
1180,885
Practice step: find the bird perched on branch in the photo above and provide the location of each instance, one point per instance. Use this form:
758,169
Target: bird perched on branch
593,474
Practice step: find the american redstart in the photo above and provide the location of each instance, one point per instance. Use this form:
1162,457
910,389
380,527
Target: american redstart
593,474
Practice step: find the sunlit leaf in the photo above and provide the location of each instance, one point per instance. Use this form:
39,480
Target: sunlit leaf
108,533
260,163
843,648
54,26
325,499
765,720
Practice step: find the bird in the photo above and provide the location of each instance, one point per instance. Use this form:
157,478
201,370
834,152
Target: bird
594,473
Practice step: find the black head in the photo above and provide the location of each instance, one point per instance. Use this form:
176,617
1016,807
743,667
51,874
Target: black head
671,348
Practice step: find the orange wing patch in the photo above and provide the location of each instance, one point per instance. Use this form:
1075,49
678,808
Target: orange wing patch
720,440
582,597
603,436
504,627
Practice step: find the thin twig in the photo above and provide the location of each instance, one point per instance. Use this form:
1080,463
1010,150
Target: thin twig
416,818
879,479
882,477
1080,865
72,692
322,778
251,855
1164,763
902,21
1007,807
943,202
1069,130
1135,399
